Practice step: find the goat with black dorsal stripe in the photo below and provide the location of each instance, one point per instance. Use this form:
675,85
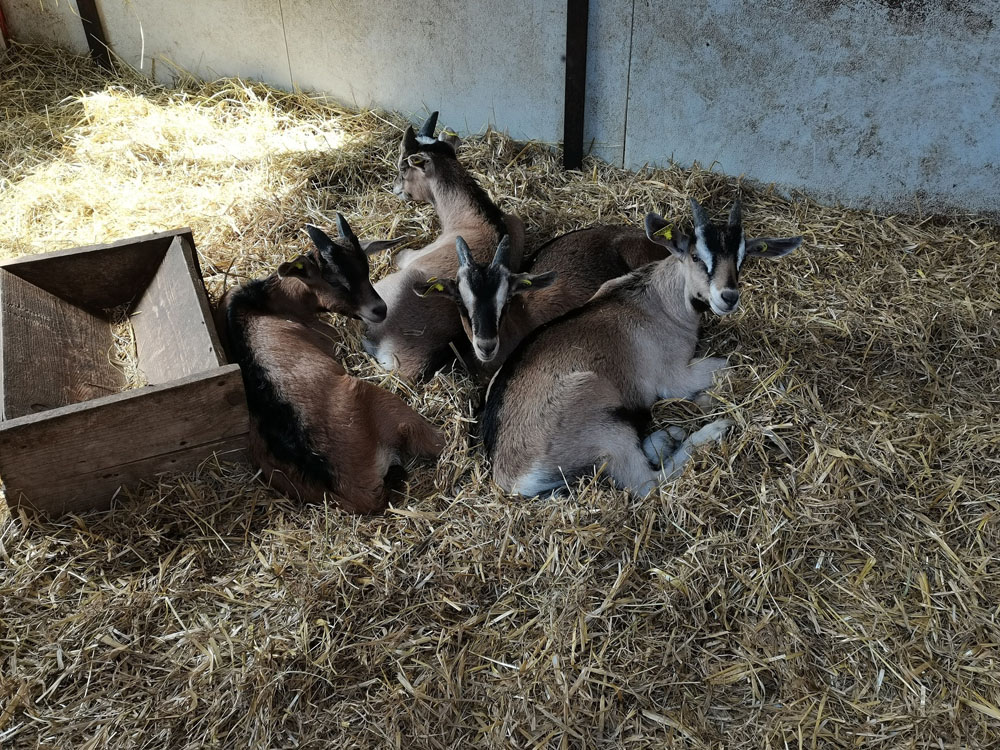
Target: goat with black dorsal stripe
500,307
577,393
416,337
315,430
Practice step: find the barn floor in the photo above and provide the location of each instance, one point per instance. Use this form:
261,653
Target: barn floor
827,578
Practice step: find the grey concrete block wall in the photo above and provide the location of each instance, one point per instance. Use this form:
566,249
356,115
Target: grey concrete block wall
892,104
887,103
480,64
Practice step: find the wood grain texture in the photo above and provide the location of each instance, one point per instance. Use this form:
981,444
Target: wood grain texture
78,456
174,331
52,353
98,277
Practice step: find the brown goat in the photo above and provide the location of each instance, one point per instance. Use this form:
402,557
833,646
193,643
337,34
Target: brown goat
416,337
314,429
499,307
578,392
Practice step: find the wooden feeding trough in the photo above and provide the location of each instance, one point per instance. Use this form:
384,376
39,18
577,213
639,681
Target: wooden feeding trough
70,436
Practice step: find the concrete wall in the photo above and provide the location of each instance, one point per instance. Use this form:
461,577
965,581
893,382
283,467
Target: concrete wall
886,103
891,103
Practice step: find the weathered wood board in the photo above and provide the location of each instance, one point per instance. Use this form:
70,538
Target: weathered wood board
76,457
53,353
174,331
68,438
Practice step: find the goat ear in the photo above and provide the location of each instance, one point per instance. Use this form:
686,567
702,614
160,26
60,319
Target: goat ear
660,231
409,144
450,137
530,282
771,247
434,285
370,247
417,160
299,267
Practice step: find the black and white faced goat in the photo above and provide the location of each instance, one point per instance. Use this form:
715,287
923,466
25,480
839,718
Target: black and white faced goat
482,292
577,394
416,337
500,307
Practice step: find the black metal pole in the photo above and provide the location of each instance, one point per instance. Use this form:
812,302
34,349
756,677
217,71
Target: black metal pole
577,17
94,31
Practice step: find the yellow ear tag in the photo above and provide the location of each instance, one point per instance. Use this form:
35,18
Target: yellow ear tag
763,247
438,287
298,265
416,160
666,233
449,133
525,282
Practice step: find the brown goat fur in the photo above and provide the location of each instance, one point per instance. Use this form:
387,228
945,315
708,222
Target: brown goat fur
315,430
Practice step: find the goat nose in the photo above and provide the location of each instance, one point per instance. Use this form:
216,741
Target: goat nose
488,348
731,297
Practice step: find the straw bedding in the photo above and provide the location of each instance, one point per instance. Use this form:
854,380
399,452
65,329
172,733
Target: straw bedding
827,578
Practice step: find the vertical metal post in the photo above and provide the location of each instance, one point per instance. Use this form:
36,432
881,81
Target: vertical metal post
94,31
577,18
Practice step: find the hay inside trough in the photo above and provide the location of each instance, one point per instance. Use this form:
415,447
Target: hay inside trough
827,578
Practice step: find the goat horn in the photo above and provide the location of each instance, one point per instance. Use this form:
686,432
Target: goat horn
503,252
427,131
700,217
464,254
735,214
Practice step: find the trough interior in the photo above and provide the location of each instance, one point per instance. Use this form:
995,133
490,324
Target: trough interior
55,333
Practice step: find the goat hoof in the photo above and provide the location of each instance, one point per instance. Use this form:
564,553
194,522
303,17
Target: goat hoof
661,444
713,432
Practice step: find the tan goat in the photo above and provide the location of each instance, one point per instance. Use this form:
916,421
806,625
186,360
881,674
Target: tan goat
577,393
315,431
416,337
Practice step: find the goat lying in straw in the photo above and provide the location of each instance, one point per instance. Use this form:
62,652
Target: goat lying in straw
499,307
577,393
315,430
416,337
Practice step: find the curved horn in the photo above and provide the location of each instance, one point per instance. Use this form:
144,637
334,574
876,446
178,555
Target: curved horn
503,252
700,217
736,214
427,130
464,254
344,228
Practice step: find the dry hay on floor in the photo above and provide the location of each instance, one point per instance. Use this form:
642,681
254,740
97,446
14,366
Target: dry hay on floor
829,577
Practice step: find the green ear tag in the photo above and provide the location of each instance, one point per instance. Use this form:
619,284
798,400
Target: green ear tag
438,287
449,133
763,247
298,265
666,233
525,282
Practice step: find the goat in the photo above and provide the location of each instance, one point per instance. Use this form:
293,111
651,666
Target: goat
497,313
315,430
577,393
416,337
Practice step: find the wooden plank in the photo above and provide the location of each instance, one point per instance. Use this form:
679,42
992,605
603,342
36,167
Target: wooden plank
52,353
97,277
174,332
63,495
77,456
